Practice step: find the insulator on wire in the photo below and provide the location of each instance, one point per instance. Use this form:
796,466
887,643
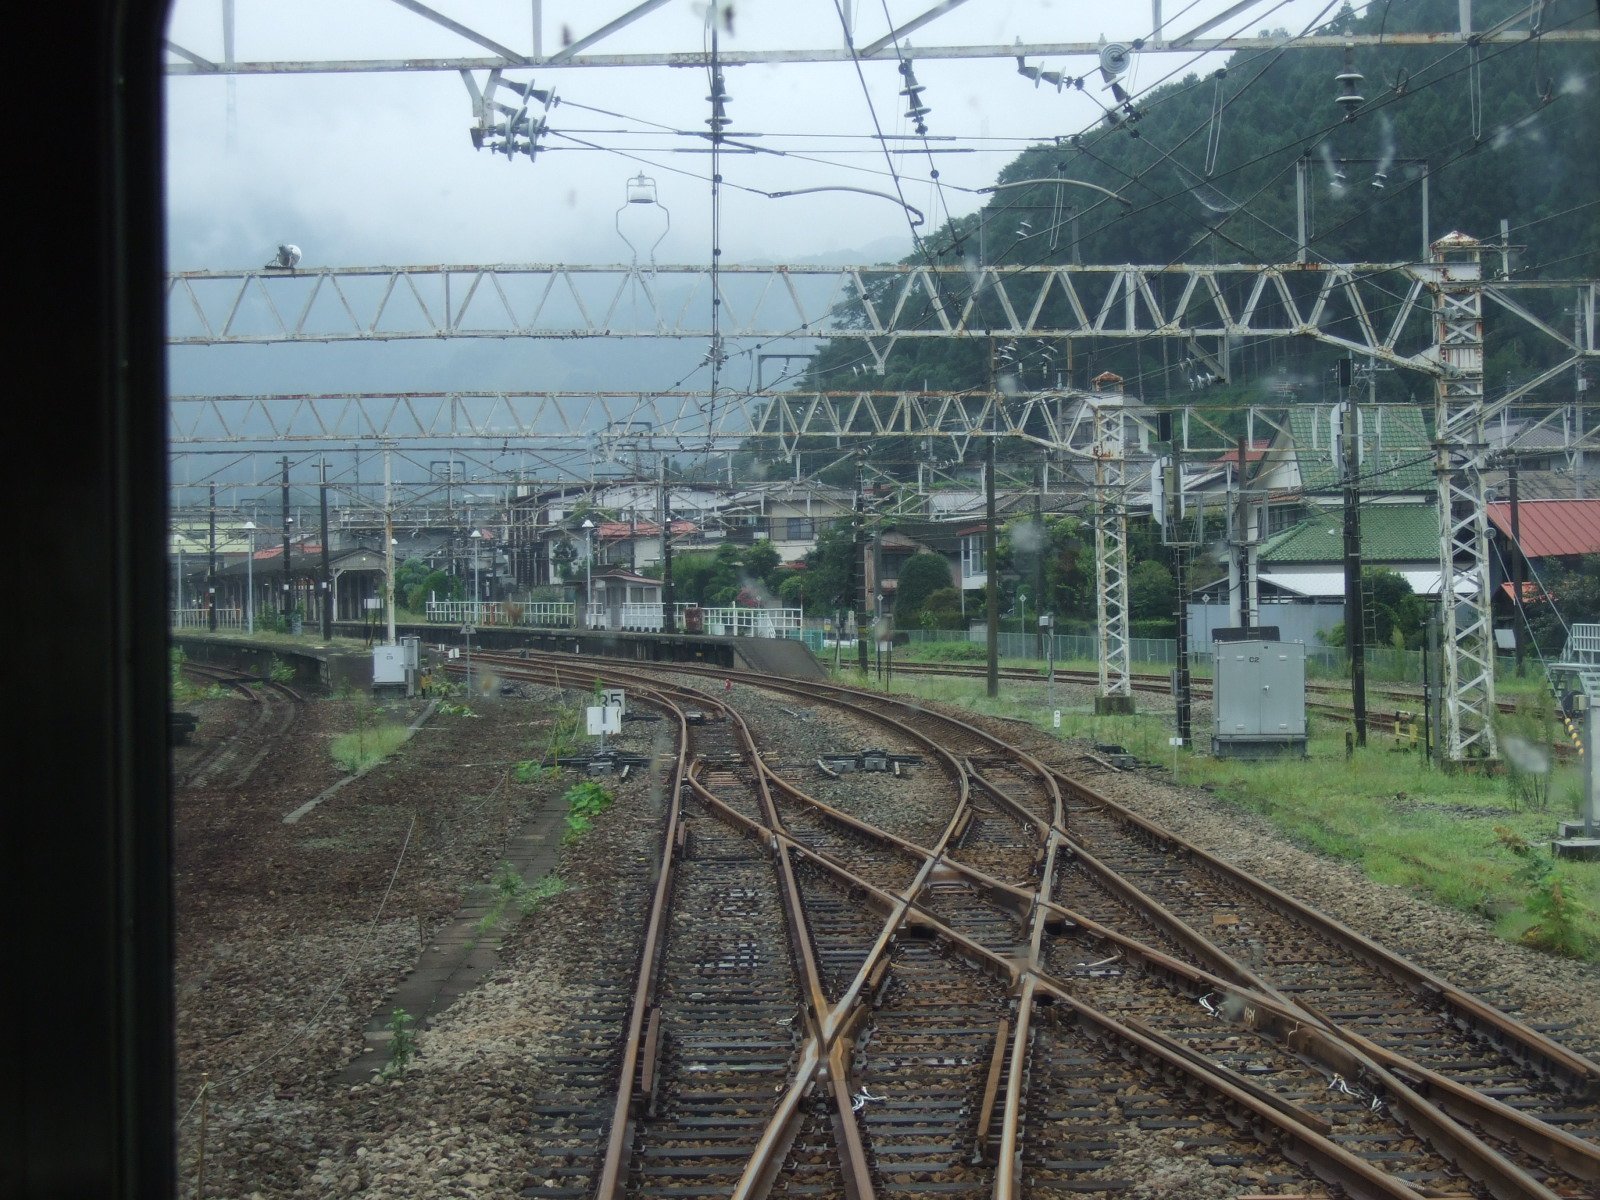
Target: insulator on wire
1349,81
719,119
915,108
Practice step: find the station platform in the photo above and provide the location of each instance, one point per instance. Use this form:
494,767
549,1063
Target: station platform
771,656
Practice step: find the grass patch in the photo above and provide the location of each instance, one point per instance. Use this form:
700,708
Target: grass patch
511,891
1474,843
362,748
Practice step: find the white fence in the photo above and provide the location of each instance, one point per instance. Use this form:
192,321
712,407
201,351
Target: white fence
544,613
200,618
749,622
640,618
646,618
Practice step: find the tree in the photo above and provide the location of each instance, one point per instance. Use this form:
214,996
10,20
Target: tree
824,578
762,562
434,585
922,575
1399,615
725,578
1150,591
689,575
941,610
1396,608
1573,599
408,574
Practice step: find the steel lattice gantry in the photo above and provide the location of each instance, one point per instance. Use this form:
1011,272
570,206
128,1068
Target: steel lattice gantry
1375,311
1460,450
1368,308
1109,451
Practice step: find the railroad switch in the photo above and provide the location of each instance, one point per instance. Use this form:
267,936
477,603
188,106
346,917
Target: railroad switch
602,762
867,760
1117,756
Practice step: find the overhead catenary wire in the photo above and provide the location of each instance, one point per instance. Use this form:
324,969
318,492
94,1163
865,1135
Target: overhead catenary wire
896,176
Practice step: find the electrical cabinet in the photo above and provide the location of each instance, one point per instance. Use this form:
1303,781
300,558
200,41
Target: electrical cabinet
389,666
1258,699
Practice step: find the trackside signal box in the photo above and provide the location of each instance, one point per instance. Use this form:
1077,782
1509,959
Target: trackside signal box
1258,699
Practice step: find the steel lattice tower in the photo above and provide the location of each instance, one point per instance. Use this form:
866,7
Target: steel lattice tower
1467,630
1111,553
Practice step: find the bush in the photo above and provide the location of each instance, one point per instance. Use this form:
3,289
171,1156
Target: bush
1152,628
585,801
923,576
953,652
1553,915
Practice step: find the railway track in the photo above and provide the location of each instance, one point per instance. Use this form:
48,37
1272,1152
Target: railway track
1024,990
232,761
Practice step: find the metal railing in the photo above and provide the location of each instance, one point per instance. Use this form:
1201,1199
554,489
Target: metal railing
640,618
749,622
538,613
1583,645
200,618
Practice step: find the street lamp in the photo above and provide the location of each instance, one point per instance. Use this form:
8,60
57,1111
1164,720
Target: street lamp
250,579
477,594
466,632
588,570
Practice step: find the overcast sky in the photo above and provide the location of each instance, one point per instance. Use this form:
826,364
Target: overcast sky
379,168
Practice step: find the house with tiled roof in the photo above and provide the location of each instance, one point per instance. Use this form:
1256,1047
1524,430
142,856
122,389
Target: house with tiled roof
1395,454
1300,572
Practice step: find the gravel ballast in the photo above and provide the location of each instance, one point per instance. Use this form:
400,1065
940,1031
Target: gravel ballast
283,957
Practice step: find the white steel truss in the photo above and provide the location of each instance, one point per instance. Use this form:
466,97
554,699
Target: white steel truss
612,425
1371,309
1109,451
1460,451
880,42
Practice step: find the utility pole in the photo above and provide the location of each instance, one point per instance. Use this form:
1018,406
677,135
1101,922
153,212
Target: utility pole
1173,518
858,570
1517,625
327,563
991,568
288,576
1247,549
211,566
388,545
1300,167
669,623
1354,629
1580,384
1038,559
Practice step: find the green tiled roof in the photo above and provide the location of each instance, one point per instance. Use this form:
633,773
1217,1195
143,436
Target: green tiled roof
1389,533
1395,451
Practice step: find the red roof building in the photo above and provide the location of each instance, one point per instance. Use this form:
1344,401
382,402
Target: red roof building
1552,528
